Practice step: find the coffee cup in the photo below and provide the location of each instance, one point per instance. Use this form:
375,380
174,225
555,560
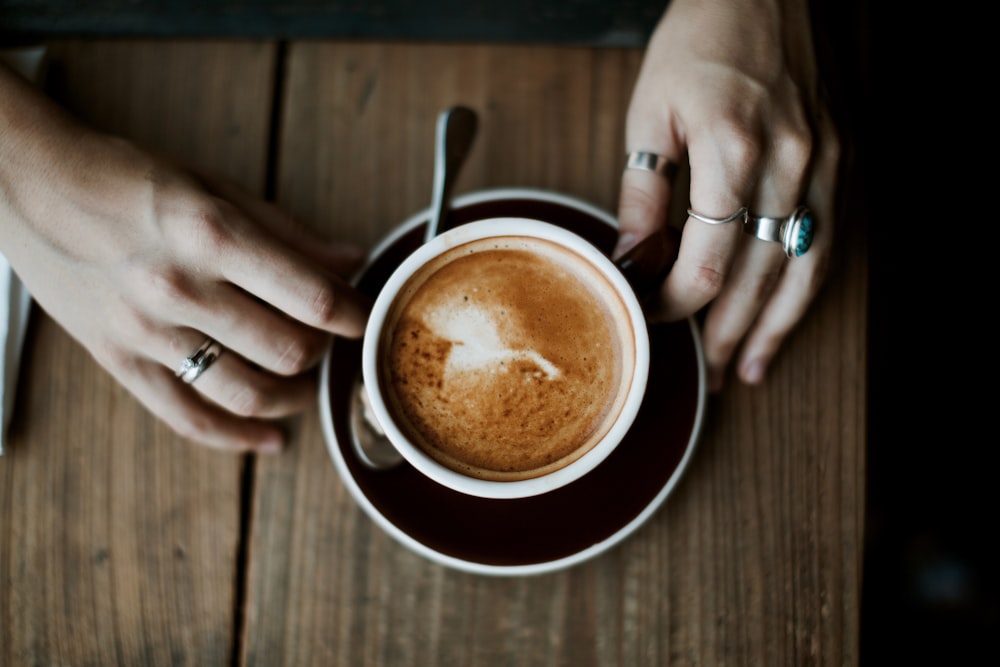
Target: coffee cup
507,357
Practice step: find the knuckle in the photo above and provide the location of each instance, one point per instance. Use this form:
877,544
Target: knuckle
705,282
113,356
248,401
166,286
738,143
793,152
132,324
204,231
294,357
323,305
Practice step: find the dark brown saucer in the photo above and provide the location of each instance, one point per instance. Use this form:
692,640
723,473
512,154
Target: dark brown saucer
559,528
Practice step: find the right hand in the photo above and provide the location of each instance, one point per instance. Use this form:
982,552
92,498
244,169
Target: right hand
141,261
735,89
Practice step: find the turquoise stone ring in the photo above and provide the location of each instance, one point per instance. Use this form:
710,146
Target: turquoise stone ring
795,233
798,234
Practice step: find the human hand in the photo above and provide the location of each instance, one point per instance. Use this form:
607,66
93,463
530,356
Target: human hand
141,261
734,88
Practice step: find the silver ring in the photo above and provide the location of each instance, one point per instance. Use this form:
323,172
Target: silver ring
192,367
741,214
657,164
794,233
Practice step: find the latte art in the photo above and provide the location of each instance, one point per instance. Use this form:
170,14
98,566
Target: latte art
476,343
507,359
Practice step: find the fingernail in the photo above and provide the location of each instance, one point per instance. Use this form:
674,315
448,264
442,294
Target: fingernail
753,371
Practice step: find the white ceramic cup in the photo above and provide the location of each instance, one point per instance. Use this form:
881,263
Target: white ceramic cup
476,231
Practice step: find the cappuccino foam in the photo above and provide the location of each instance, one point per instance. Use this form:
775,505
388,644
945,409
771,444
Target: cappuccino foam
507,358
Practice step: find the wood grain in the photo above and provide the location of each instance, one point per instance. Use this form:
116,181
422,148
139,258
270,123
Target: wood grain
121,544
120,540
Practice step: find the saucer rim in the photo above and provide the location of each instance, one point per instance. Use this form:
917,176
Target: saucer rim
470,566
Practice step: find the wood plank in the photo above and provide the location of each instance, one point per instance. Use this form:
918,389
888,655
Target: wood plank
756,557
121,541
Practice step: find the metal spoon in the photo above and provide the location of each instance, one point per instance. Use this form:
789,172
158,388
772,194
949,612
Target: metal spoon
370,442
456,128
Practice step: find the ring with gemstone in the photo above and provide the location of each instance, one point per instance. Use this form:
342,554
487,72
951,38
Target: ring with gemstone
199,361
794,232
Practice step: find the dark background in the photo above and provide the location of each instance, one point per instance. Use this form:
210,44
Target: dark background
931,594
591,22
901,86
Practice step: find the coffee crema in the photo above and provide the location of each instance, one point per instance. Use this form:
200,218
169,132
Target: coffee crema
507,358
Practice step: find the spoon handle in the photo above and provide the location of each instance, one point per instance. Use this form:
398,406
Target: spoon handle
456,129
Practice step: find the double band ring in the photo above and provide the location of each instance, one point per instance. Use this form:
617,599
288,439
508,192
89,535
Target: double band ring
794,232
643,161
192,367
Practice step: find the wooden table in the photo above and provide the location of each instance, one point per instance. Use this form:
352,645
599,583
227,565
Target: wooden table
123,544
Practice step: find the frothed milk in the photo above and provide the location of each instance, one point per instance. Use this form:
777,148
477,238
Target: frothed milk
507,358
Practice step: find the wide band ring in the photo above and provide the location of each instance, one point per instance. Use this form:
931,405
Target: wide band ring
742,214
192,367
794,233
644,161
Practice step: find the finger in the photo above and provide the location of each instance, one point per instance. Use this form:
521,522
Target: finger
237,320
751,283
785,309
235,385
275,273
723,168
188,415
759,264
258,332
337,256
644,198
642,209
309,296
805,275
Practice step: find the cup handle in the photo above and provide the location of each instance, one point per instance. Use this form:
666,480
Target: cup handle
647,264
